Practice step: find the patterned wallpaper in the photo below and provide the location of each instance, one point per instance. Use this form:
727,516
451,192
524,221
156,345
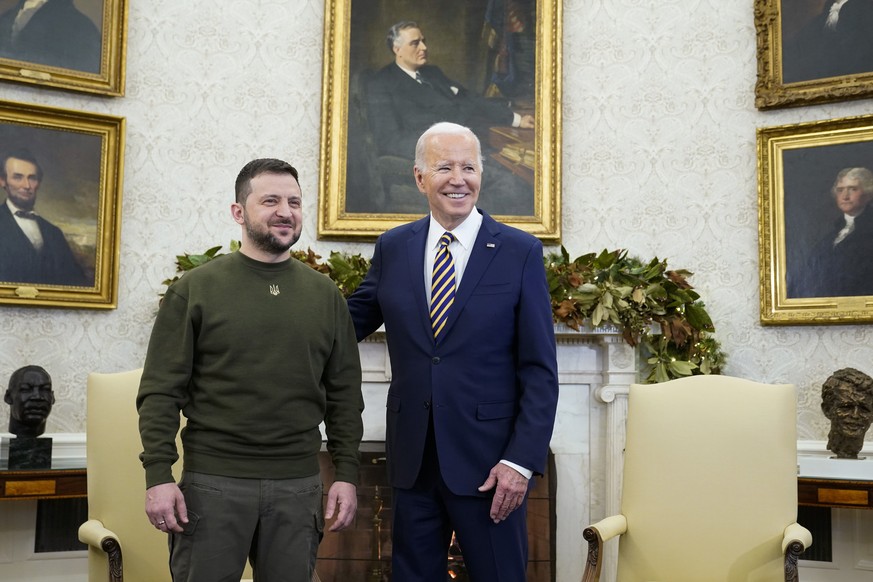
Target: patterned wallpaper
658,157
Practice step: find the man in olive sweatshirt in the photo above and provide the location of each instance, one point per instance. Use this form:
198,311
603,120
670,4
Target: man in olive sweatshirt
256,349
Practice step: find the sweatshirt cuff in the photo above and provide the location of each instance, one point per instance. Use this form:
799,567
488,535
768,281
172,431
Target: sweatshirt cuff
158,474
347,473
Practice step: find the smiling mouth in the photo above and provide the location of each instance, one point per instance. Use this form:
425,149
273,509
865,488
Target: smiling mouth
455,195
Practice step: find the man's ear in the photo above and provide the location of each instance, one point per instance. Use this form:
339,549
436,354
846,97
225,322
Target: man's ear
7,398
237,211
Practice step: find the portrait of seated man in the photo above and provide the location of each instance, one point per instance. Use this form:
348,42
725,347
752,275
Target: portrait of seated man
408,95
50,32
847,401
32,250
30,398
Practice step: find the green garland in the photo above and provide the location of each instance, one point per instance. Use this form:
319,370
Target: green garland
656,309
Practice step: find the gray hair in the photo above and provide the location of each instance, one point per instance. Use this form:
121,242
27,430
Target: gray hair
863,175
394,33
444,128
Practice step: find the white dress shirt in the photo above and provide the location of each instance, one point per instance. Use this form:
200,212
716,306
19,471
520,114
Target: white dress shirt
846,230
28,226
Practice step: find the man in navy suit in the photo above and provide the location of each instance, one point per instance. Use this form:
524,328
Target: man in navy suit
32,250
472,400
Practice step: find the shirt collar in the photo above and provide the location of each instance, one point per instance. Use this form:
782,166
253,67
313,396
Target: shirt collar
465,233
12,207
405,70
34,4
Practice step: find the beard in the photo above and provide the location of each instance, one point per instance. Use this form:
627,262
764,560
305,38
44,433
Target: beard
21,202
267,241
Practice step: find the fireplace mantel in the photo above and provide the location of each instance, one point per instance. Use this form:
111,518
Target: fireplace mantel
595,369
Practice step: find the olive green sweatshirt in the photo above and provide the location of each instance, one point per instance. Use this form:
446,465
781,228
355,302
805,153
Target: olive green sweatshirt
255,355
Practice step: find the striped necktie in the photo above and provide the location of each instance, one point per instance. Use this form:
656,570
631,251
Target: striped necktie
421,80
442,288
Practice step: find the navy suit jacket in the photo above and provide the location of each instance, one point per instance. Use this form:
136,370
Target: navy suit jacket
400,109
55,264
490,381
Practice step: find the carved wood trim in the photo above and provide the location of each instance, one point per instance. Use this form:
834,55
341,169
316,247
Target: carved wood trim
113,553
593,564
792,555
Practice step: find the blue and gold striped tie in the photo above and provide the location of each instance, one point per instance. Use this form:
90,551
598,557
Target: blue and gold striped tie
442,288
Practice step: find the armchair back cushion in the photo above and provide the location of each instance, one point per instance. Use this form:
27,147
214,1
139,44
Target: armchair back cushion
710,480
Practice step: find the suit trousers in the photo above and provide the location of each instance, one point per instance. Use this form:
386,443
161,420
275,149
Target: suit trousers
425,517
276,523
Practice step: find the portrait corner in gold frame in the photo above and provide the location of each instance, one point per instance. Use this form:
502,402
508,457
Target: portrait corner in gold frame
78,158
338,219
794,64
88,60
805,276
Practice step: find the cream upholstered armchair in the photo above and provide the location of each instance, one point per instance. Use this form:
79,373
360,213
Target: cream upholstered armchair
709,487
122,544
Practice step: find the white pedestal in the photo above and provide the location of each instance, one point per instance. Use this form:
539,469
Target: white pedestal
860,469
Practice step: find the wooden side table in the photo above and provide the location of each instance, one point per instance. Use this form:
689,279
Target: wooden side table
819,492
43,484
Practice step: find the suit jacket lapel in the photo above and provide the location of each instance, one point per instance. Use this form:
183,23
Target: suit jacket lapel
415,261
484,250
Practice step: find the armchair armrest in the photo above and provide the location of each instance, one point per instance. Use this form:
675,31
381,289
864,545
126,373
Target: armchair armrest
795,540
595,535
95,535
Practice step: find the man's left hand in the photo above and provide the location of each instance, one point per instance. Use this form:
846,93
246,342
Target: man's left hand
510,492
342,499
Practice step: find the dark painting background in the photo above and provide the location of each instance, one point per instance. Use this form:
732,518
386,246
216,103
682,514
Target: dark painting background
457,42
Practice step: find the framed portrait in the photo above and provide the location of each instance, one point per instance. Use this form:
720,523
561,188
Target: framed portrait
491,65
66,44
60,217
815,187
813,51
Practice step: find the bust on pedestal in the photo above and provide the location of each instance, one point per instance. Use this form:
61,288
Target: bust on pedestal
30,398
847,401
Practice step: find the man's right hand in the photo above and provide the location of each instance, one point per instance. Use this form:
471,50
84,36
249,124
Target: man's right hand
165,506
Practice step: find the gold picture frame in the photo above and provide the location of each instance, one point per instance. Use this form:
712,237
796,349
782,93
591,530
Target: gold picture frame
811,272
803,59
72,163
88,51
355,200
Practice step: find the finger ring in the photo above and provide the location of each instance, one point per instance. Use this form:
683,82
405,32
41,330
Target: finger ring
162,522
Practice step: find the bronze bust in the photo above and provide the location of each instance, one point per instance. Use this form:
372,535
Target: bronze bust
847,401
30,398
